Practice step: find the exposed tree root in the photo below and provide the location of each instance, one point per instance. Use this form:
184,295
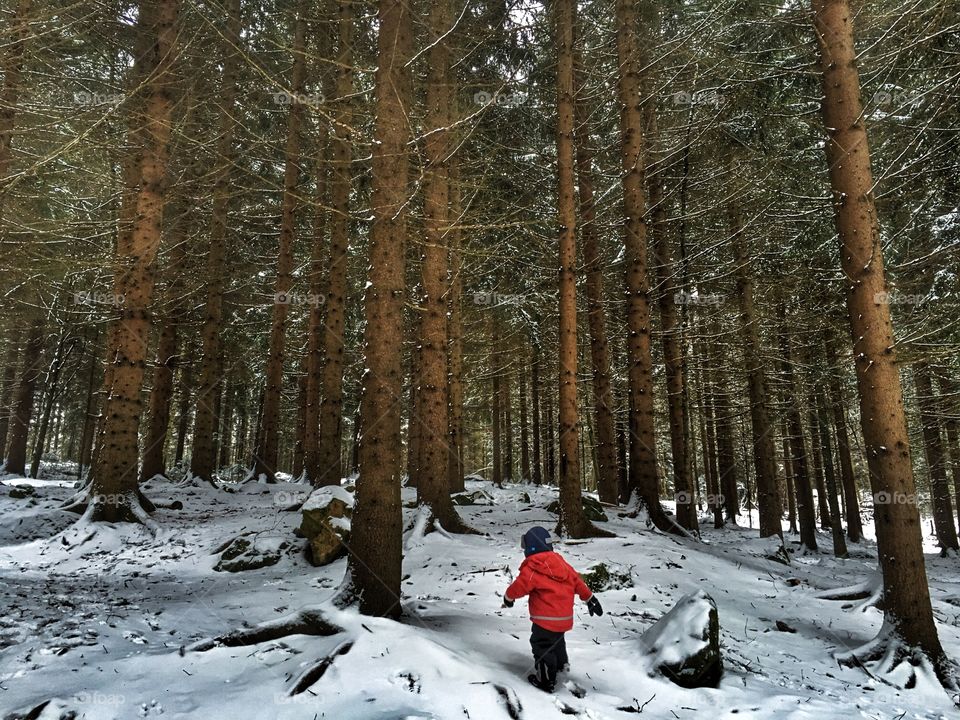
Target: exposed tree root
313,673
124,511
870,591
887,656
584,530
656,515
310,621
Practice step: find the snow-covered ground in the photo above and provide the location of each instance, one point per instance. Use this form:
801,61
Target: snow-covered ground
105,626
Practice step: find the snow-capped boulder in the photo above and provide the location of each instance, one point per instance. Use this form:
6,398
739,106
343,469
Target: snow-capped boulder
326,523
250,551
591,508
684,645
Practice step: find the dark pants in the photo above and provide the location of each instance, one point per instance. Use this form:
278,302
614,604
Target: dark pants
549,653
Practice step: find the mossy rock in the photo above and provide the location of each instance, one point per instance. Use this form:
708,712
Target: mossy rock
600,577
19,492
326,524
591,508
477,497
244,553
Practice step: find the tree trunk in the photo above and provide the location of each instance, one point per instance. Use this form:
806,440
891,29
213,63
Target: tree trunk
572,521
683,485
89,406
833,503
606,447
524,428
52,391
948,410
506,402
536,425
643,479
9,384
114,493
906,595
329,466
202,458
21,409
764,460
943,520
839,409
267,451
183,409
816,457
788,474
455,331
551,444
433,487
374,564
19,31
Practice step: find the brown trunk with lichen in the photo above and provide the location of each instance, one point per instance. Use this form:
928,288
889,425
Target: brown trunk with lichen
642,476
906,595
266,452
203,458
606,440
114,491
329,460
943,521
374,565
433,488
572,521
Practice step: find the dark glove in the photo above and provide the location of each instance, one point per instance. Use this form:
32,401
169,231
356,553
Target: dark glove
507,602
593,605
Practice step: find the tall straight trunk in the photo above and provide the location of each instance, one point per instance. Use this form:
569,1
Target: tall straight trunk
496,410
948,409
455,333
413,407
225,433
89,405
764,458
728,474
433,487
329,465
21,409
297,469
709,435
52,392
506,403
537,472
266,453
798,451
10,92
550,452
9,383
114,492
788,475
839,544
524,428
202,459
606,441
183,410
838,407
816,458
572,521
943,519
906,595
683,485
374,564
643,478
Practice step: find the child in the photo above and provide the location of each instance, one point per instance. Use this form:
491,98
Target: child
551,584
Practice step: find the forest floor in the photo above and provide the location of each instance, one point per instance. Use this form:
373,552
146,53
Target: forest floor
104,625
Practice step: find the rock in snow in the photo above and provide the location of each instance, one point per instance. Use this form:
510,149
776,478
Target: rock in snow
326,523
684,645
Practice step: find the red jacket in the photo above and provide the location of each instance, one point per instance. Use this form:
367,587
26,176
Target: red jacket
551,584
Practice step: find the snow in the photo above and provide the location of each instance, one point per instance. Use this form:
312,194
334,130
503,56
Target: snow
321,497
105,626
669,641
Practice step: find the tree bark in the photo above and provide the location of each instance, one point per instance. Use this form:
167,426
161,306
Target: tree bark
9,384
524,428
10,93
536,425
833,503
943,519
455,331
906,595
267,451
202,458
21,409
114,492
329,465
838,407
374,564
